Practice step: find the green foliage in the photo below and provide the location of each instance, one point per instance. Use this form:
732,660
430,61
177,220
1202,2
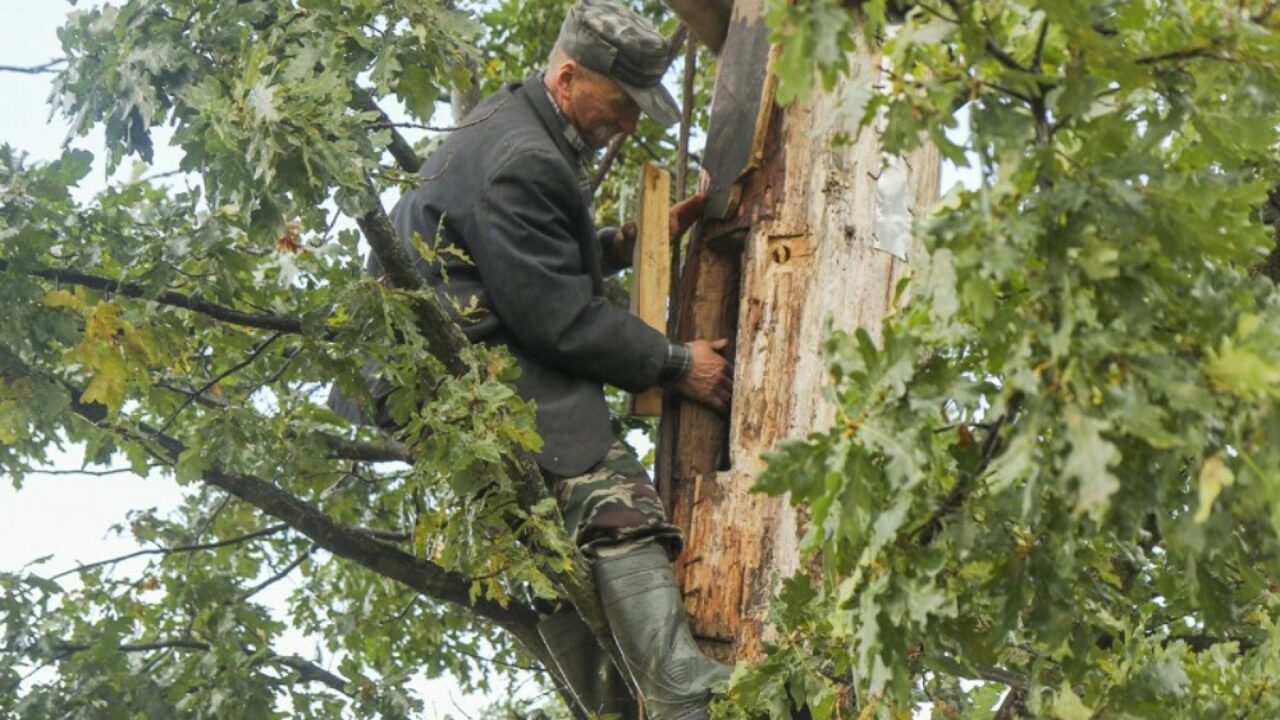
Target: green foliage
267,104
1055,470
1057,467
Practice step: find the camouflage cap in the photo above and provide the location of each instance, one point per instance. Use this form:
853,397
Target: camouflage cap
613,40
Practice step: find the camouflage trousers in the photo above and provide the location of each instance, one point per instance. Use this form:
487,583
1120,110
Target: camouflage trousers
614,506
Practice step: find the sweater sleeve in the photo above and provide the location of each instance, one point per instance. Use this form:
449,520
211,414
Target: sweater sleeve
530,263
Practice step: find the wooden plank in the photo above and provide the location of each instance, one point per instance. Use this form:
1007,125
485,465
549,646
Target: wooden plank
740,108
651,282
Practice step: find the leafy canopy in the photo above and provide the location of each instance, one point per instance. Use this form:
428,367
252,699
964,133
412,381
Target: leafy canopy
1058,470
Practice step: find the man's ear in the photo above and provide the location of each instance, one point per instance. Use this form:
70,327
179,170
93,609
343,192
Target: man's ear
564,75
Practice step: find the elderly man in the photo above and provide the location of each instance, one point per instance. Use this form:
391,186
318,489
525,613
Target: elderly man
510,190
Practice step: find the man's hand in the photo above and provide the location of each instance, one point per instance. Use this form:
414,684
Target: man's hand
685,213
710,378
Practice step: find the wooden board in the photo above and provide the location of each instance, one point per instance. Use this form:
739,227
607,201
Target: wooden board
740,107
651,282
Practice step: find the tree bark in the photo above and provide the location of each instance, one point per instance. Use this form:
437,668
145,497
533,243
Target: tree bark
803,245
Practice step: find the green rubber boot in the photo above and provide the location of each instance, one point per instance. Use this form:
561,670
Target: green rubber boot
641,600
597,687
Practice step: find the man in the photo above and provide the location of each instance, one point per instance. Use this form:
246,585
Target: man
509,189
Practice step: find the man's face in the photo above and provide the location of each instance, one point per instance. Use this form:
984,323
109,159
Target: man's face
600,108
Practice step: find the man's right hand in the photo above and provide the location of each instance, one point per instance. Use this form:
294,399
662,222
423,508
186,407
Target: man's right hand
710,378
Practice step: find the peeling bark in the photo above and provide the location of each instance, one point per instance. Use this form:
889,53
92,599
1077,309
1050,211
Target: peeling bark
798,251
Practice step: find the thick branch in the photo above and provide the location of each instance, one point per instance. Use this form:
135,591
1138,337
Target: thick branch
311,672
707,19
444,338
345,542
364,451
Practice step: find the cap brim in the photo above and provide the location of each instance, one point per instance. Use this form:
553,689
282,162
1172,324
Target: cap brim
654,101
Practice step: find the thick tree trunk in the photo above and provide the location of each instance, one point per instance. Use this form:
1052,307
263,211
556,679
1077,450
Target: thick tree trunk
813,238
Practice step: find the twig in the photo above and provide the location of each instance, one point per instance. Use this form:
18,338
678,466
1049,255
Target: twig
46,68
926,533
201,400
1265,13
1185,54
400,149
282,574
364,451
265,532
288,360
385,124
1038,55
307,670
493,661
937,13
94,473
222,376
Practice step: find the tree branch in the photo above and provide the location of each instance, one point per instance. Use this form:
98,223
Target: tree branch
280,323
929,530
311,672
444,338
265,532
43,69
254,355
400,149
364,451
345,542
92,473
282,574
606,163
386,122
447,343
307,670
1205,52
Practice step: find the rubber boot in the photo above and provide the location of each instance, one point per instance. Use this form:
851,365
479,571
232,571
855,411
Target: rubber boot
597,686
645,612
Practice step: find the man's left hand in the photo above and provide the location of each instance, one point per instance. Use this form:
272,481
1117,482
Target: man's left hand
683,215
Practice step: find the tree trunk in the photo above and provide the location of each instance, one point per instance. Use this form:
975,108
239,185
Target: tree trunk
813,237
